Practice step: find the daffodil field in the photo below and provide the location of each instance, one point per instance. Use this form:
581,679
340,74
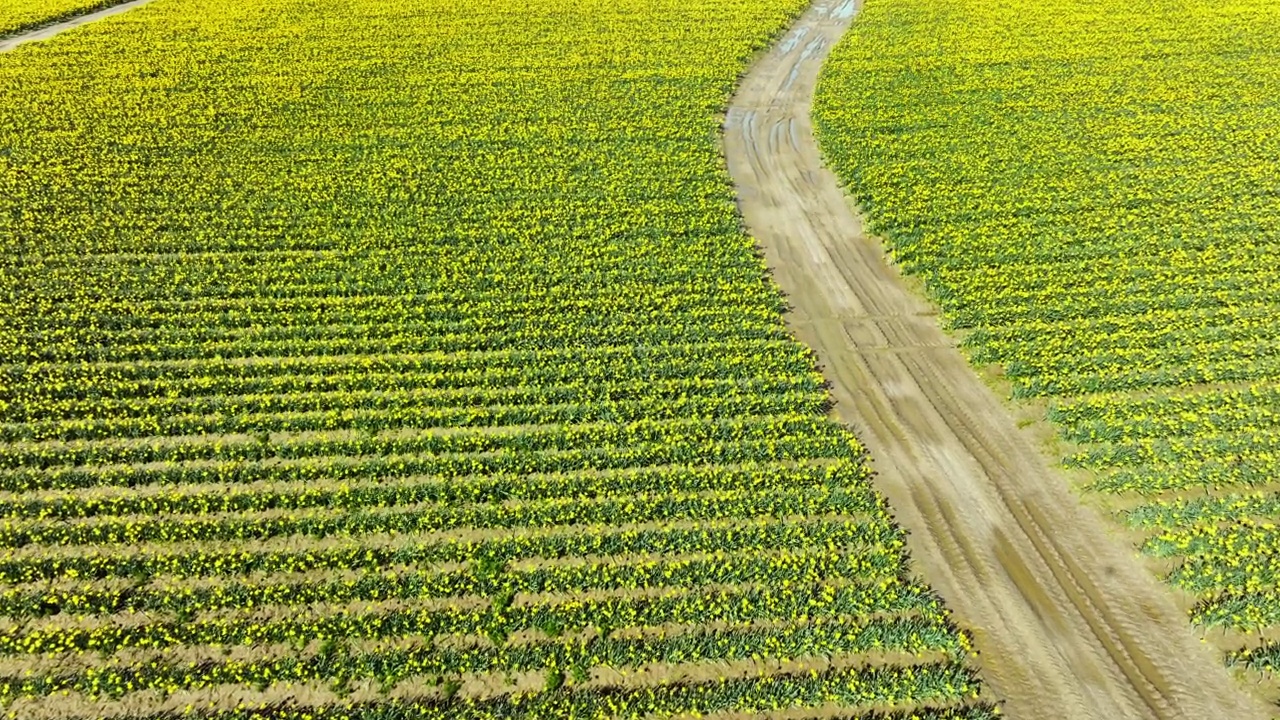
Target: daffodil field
18,15
1089,192
405,359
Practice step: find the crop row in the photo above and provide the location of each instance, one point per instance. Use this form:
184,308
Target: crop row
187,601
1255,363
1122,418
1239,610
405,402
384,492
408,442
284,328
681,450
952,686
207,559
393,664
1239,472
396,394
493,369
1048,340
435,517
1207,510
1026,315
234,273
680,600
228,314
1041,268
730,403
1256,442
396,342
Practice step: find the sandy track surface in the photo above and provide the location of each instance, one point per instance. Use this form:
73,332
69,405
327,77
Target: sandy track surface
47,31
1068,623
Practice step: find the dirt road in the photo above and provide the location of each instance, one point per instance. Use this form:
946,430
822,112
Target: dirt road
47,31
1068,623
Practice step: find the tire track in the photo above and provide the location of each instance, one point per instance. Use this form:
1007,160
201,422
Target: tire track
1068,623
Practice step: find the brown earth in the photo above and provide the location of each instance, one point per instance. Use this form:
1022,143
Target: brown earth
47,31
1068,622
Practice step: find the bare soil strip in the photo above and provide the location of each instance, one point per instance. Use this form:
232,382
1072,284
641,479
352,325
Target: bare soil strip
45,32
1069,624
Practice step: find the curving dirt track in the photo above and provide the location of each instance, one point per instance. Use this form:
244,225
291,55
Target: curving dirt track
45,32
1068,623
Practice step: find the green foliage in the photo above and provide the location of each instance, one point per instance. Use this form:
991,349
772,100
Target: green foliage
555,680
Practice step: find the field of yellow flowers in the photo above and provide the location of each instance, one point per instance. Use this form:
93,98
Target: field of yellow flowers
405,358
1089,192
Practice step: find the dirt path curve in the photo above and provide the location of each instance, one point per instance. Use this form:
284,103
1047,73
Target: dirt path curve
45,32
1068,623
